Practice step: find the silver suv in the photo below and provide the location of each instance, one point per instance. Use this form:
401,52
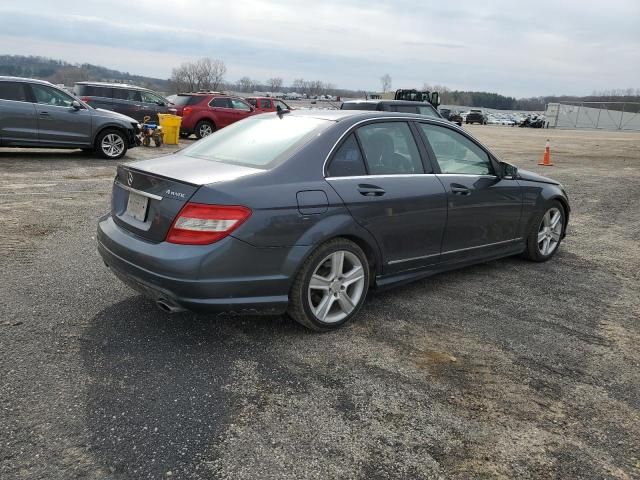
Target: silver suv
34,113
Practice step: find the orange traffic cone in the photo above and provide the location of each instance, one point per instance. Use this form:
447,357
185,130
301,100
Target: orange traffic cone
546,158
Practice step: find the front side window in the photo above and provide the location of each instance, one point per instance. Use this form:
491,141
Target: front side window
347,161
258,141
51,96
148,97
265,103
455,153
13,91
240,105
389,149
405,108
427,110
282,105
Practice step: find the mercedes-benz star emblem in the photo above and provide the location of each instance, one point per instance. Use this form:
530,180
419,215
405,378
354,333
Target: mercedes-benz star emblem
130,178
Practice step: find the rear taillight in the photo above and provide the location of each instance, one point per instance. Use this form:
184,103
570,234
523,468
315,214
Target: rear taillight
85,99
200,224
186,111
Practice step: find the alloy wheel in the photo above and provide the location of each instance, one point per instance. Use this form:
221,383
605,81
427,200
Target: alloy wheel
550,231
205,130
336,286
112,145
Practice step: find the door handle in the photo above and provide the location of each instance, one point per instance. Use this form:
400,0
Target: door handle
457,189
370,190
44,114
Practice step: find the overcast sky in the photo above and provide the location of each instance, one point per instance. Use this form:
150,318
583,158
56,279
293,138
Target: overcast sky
531,48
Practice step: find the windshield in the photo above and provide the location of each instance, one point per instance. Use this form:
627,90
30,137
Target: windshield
259,141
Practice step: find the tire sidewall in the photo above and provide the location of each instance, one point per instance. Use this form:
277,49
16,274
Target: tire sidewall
103,134
319,255
199,125
532,241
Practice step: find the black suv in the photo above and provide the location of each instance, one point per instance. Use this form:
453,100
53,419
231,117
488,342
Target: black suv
404,106
476,116
451,115
135,102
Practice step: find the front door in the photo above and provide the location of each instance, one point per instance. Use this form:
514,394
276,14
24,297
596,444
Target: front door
483,209
18,123
59,123
379,173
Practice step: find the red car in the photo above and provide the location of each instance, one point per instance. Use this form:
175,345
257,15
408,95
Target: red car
267,104
204,113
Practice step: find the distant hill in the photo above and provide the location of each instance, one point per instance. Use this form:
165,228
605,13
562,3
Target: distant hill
59,71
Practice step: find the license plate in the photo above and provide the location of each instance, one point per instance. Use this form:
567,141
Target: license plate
137,206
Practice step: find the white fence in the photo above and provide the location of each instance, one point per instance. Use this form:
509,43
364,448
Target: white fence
594,115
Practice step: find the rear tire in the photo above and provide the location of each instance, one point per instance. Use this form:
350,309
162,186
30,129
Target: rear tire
204,128
330,287
546,232
111,144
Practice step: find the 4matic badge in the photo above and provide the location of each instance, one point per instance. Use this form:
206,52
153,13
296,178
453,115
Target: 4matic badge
175,194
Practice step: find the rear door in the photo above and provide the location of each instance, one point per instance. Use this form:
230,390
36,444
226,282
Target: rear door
484,209
224,113
153,104
381,174
128,102
18,119
59,123
98,96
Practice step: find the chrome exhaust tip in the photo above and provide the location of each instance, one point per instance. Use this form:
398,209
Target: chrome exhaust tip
165,306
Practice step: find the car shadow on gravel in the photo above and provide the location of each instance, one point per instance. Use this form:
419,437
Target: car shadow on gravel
159,391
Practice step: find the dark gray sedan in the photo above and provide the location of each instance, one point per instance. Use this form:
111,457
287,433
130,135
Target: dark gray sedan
305,211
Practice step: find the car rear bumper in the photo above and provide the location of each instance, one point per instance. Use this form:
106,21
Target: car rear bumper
228,276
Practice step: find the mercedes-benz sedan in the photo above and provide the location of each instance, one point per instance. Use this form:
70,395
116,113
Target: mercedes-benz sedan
304,212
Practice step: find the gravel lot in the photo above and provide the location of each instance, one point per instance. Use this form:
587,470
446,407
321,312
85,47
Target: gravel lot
508,369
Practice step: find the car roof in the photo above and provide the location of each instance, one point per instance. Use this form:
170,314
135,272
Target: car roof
340,115
388,102
23,79
112,85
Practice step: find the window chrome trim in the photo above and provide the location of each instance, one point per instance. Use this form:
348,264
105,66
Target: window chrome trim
402,260
139,192
363,177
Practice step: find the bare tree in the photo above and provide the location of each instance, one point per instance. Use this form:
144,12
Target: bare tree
210,73
386,82
299,84
275,83
246,84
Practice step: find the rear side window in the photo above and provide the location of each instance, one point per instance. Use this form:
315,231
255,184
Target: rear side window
220,103
13,91
93,91
390,149
347,161
125,94
184,100
265,103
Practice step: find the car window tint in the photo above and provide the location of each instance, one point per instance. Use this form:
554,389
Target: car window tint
265,103
240,105
125,94
149,97
258,141
51,96
427,110
347,161
220,103
12,91
389,148
455,153
93,91
405,108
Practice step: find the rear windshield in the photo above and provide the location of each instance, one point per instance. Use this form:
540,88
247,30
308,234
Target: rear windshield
182,100
257,142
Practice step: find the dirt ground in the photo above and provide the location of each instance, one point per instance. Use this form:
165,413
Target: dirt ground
508,369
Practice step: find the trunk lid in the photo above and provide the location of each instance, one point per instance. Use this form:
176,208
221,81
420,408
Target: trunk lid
149,194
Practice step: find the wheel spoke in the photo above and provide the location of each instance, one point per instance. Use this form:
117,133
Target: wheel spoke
542,235
325,305
555,219
547,219
545,246
353,276
319,283
346,304
337,264
555,236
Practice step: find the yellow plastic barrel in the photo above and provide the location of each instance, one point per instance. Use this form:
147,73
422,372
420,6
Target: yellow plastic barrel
170,128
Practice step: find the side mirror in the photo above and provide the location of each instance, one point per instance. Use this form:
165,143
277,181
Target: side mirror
76,105
508,170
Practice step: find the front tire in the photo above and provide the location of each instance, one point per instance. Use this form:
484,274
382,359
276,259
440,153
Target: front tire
331,286
546,233
111,144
